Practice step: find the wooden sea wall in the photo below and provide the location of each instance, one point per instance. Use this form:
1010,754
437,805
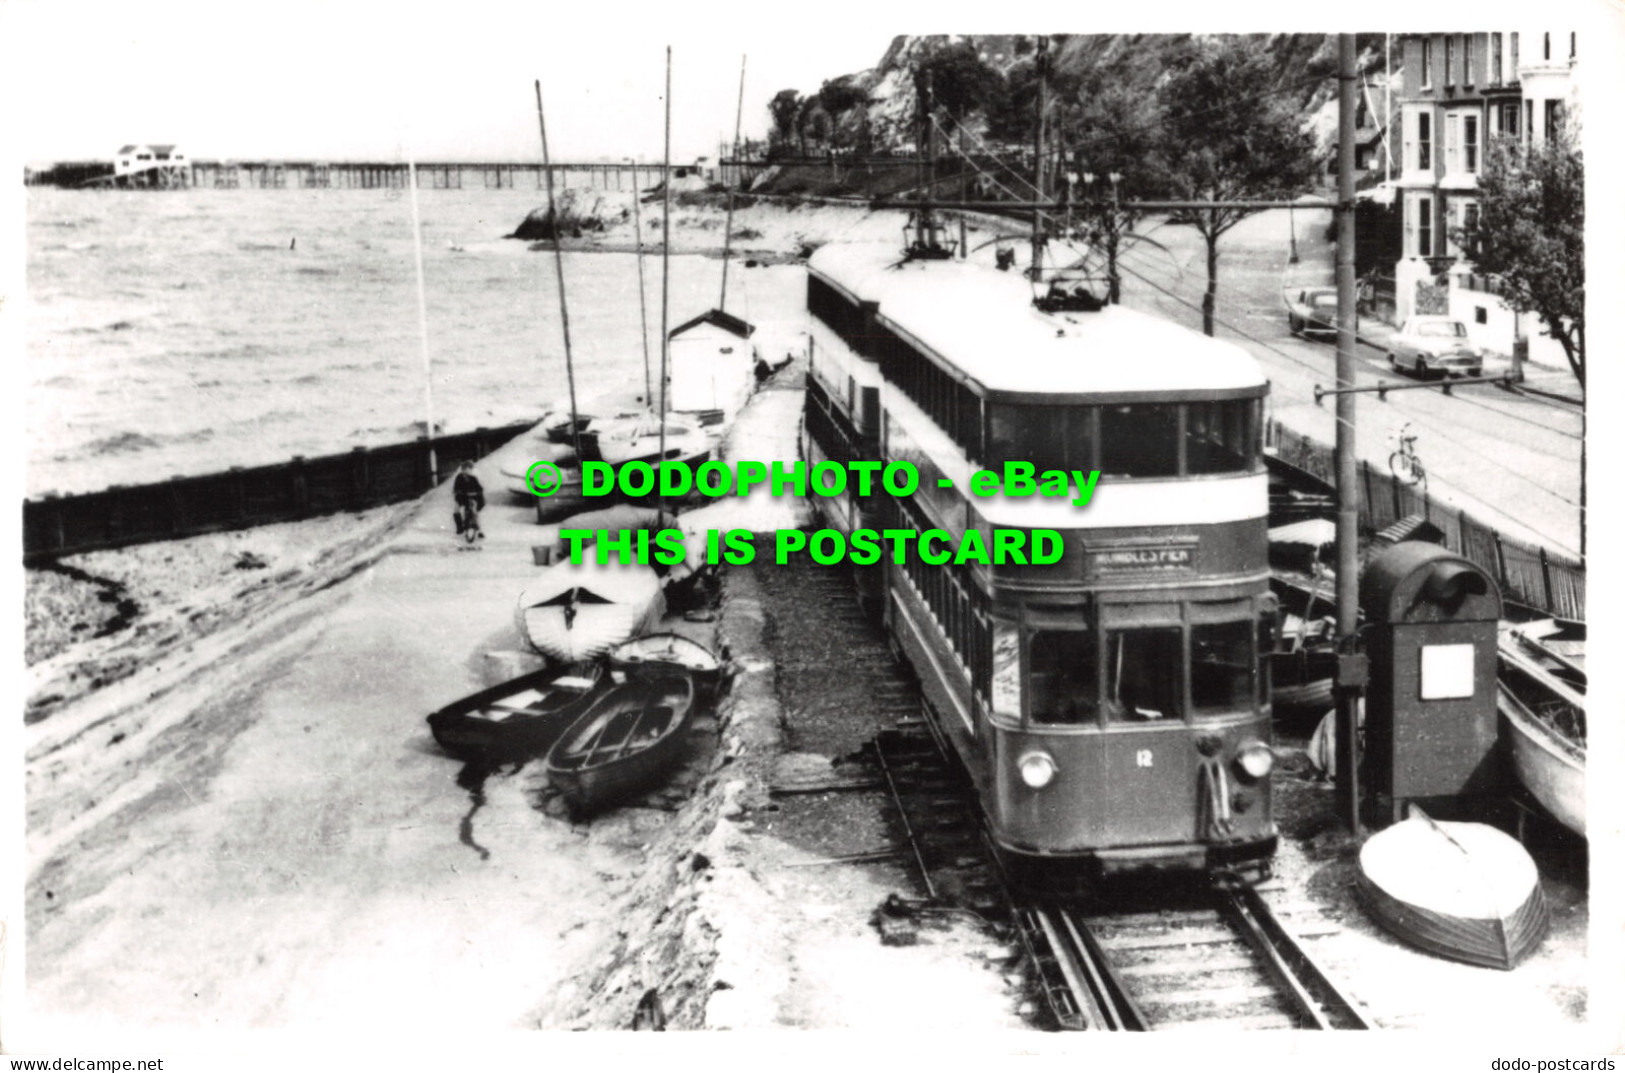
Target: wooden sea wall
241,497
1529,574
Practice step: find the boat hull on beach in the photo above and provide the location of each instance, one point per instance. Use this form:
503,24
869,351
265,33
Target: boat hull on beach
1541,700
519,718
668,653
577,612
1464,891
623,745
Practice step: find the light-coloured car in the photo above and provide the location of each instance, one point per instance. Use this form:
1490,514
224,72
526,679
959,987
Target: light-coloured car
1435,346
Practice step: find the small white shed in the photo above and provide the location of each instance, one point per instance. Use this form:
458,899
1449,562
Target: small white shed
713,364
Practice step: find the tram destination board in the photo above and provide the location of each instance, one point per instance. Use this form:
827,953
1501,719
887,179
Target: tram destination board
1138,557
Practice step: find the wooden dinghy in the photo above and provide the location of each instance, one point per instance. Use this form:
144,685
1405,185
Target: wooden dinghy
577,612
520,718
1460,890
638,439
624,744
669,653
1541,699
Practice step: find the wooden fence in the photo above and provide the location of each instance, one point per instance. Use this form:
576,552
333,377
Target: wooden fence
242,497
1529,574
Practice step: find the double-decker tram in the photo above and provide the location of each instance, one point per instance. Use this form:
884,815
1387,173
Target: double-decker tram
1112,709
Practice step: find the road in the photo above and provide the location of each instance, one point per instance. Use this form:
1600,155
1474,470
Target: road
1512,461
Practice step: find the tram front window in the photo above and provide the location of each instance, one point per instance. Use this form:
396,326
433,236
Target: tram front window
1139,441
1143,673
1222,666
1063,685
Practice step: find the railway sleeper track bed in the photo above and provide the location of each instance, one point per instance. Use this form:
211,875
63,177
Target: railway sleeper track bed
1211,954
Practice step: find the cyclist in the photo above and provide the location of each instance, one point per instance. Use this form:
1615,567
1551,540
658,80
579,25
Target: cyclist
470,496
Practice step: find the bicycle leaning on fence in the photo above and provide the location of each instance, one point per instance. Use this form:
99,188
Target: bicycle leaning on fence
1404,463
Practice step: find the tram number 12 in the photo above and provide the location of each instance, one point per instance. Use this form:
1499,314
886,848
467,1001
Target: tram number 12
1142,758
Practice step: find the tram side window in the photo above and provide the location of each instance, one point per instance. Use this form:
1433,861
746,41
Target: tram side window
1139,441
1222,666
1006,676
1143,673
1220,436
1063,684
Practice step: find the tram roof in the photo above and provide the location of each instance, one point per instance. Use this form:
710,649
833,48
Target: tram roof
982,322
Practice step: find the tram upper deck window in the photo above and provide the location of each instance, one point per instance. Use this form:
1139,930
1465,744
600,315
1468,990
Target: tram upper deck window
1221,437
1143,673
1063,684
1141,440
1223,666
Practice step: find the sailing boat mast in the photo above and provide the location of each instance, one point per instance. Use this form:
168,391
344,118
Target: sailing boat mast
423,320
728,229
643,304
558,265
665,264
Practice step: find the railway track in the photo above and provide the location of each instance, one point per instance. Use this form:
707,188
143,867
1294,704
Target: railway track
1205,955
1208,955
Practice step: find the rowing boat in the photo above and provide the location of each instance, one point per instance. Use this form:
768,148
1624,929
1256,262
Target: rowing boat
668,653
1542,701
624,744
1460,890
520,718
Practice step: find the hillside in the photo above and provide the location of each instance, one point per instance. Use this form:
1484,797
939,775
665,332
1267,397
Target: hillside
838,120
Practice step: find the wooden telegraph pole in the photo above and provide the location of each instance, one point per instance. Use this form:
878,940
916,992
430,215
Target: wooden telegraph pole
1350,679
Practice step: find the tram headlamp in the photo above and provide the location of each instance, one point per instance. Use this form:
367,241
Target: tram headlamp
1255,760
1037,770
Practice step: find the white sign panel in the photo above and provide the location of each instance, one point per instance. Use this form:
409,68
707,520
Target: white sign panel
1447,671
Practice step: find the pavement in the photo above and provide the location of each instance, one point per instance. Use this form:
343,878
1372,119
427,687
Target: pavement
292,848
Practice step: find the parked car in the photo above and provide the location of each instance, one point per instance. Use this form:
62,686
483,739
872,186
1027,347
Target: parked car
1312,311
1435,346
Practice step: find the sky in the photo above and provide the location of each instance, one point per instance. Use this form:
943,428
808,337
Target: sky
452,79
372,81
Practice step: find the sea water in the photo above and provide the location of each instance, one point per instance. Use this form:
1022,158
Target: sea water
181,332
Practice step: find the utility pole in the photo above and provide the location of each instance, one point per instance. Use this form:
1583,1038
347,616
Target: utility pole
1351,668
1387,108
1042,67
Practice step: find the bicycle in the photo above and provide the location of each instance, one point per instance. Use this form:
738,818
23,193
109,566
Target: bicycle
467,517
1404,463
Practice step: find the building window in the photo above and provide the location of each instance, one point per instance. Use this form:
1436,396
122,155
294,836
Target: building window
1514,61
1469,143
1424,142
1571,44
1497,72
1449,59
1427,62
1554,118
1509,118
1424,227
1466,60
1546,46
1452,143
1529,119
1469,227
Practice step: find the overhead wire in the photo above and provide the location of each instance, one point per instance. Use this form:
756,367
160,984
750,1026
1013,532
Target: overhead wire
1420,419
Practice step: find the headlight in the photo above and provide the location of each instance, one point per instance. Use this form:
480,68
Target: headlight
1037,770
1255,760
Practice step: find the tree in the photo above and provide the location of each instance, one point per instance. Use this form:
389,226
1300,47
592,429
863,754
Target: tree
1228,134
785,108
961,84
1114,131
1531,233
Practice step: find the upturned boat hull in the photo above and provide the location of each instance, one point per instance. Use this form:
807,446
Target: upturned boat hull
1463,891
